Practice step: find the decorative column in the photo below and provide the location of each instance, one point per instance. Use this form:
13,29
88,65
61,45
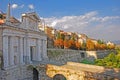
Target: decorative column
11,50
38,45
44,45
21,50
24,49
28,51
5,51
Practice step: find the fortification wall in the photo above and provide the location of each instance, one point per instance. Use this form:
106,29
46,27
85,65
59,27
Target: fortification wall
77,71
16,73
24,72
57,57
0,39
61,56
1,47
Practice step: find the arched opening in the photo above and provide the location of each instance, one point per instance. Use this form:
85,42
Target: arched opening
35,74
82,55
59,77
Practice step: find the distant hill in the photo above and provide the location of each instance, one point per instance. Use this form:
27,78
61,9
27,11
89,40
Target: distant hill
116,42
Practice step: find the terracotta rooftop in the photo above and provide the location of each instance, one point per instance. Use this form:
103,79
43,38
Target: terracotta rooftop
12,19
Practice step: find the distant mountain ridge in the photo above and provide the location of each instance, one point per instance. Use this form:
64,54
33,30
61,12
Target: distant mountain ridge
116,42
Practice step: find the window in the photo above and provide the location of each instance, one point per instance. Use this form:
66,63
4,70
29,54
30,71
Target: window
15,49
15,59
32,52
82,55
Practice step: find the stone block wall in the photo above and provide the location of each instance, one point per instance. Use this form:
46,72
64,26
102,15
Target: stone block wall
0,39
1,47
24,72
57,57
102,54
76,71
61,56
91,67
41,68
16,73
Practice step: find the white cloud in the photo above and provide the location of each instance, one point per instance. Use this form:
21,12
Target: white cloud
90,23
22,6
107,18
14,6
53,23
89,15
31,6
65,26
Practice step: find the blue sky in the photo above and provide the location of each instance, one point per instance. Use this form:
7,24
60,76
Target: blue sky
48,8
98,19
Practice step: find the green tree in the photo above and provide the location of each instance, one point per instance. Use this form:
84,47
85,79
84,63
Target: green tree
112,61
62,36
100,41
58,35
83,47
1,16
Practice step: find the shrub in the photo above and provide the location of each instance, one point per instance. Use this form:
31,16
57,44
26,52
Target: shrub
111,61
85,61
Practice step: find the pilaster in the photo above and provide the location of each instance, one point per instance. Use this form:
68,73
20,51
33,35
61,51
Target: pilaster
39,50
11,51
28,50
44,53
5,51
21,50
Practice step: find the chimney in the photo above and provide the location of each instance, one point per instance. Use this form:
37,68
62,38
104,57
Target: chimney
8,15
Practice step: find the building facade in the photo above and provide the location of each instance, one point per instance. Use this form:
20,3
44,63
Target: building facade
22,42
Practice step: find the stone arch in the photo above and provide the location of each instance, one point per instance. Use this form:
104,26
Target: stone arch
35,74
59,77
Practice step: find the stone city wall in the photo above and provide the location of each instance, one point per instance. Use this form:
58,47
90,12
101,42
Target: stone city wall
1,38
16,73
78,71
1,47
41,68
24,72
61,56
56,56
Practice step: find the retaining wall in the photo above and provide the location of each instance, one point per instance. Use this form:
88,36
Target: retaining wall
61,56
57,57
77,71
16,73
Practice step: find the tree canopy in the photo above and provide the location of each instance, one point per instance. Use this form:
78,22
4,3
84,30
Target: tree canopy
111,61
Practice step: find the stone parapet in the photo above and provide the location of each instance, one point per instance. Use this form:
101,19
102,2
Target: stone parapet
78,71
87,66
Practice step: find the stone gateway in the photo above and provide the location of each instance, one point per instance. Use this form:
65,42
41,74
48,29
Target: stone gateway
22,42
